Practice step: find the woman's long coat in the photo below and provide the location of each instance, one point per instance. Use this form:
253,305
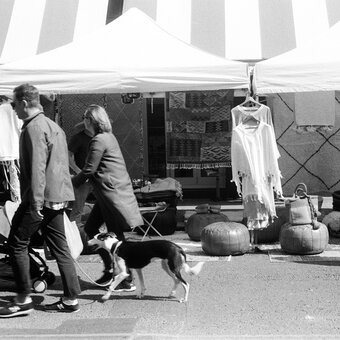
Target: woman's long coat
105,168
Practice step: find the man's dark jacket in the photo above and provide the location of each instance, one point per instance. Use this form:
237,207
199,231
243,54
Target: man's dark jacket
44,168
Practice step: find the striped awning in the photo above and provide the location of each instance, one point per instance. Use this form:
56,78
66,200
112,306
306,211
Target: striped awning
247,30
29,27
242,29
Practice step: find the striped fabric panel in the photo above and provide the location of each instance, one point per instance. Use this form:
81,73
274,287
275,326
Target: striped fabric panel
58,25
333,11
6,9
23,31
281,24
235,29
208,30
149,7
242,29
309,23
28,27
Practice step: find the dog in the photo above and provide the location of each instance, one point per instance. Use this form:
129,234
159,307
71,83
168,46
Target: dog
137,255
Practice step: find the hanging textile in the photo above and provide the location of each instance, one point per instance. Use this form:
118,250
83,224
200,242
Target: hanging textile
198,129
254,155
9,133
255,170
315,111
9,150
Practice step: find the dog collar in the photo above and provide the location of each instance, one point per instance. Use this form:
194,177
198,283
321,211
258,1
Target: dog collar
115,247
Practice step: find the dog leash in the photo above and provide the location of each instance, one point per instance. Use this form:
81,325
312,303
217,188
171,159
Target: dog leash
88,276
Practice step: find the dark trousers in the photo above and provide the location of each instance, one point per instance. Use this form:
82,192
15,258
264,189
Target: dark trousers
24,225
114,221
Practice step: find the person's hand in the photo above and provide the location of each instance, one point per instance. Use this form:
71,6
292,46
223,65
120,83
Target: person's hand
74,181
77,181
36,214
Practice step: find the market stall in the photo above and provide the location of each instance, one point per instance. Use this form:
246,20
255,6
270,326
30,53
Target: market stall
130,55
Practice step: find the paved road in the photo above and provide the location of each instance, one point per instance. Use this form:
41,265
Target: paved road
246,298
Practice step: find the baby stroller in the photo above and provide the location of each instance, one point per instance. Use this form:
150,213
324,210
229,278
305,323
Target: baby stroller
40,274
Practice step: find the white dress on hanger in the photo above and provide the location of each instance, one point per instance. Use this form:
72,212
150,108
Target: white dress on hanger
255,168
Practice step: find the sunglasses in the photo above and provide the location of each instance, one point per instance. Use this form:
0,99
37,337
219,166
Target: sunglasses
86,116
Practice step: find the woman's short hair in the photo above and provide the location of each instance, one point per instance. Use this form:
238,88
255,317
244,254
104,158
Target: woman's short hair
99,117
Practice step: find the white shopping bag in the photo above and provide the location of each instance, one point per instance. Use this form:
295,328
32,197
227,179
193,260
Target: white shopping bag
73,237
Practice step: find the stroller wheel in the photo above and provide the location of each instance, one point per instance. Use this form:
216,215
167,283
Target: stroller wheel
49,277
39,286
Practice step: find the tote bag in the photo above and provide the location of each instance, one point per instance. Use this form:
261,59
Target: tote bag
73,238
301,209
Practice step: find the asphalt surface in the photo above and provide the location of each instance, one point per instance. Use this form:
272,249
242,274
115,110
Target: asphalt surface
248,297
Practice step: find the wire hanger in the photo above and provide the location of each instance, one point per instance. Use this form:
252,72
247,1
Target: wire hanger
250,102
249,120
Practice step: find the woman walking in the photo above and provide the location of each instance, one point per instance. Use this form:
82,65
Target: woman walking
105,168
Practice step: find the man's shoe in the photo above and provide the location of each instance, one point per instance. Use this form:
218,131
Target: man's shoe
125,286
106,279
15,309
60,306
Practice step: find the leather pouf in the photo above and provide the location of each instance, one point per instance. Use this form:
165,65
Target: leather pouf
198,221
332,222
304,239
225,238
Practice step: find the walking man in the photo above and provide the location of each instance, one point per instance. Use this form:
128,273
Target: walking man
46,188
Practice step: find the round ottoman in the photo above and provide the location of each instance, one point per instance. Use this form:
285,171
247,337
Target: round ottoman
304,239
198,221
225,238
332,222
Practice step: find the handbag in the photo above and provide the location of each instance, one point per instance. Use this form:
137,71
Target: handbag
301,208
73,238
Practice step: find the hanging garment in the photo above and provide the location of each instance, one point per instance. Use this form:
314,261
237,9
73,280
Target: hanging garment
261,113
9,133
256,212
10,127
255,168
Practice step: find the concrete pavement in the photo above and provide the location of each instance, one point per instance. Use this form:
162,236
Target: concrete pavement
248,297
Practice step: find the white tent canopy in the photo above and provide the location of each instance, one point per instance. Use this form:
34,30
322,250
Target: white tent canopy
313,67
131,54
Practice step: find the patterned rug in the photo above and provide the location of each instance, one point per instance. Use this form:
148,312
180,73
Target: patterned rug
331,254
198,129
